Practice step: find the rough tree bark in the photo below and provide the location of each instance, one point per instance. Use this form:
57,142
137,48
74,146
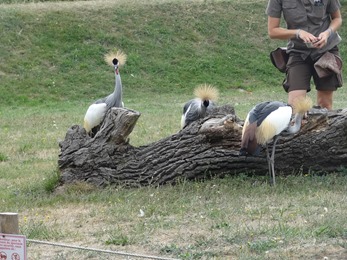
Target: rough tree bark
205,148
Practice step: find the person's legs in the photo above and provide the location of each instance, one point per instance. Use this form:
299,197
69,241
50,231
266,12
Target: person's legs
298,77
325,99
295,94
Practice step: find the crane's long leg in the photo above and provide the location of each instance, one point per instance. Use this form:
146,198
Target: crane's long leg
272,160
268,158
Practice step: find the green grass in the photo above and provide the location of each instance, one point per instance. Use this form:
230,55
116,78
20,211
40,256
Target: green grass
52,68
163,53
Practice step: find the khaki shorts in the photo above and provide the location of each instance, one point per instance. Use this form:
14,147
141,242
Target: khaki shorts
299,73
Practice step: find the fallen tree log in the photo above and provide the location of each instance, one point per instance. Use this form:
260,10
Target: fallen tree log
205,148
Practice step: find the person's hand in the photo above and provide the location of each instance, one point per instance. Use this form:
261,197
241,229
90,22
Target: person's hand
322,39
307,37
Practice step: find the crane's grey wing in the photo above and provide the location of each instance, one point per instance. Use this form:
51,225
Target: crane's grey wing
186,105
191,111
262,110
113,100
110,101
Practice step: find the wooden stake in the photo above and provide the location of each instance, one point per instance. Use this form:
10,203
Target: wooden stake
9,223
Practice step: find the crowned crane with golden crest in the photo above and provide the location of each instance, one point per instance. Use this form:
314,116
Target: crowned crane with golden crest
196,108
97,111
266,122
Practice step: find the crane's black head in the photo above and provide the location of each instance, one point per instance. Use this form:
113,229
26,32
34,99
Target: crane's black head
206,102
115,61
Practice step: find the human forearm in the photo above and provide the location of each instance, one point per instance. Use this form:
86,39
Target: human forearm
282,33
335,24
277,32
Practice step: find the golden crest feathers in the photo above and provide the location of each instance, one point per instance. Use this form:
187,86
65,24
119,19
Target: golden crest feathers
119,55
205,92
302,105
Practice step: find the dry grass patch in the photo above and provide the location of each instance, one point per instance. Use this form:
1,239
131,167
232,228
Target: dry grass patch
211,220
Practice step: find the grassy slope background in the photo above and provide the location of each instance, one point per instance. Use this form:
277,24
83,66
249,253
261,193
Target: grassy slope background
52,68
170,48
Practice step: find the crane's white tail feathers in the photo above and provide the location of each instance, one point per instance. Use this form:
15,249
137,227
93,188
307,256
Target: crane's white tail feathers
94,116
206,92
119,55
302,105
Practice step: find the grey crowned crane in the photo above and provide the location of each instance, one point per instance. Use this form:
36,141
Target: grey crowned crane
196,108
266,122
97,111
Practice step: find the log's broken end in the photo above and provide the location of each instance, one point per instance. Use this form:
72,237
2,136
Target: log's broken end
118,125
221,126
